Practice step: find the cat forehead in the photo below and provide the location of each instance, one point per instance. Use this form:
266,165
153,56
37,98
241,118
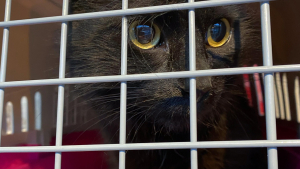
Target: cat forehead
230,12
202,14
82,6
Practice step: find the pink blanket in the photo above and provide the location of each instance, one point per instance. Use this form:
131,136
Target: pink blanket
70,160
288,157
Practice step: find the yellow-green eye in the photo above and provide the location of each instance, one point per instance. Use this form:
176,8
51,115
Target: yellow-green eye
144,36
218,33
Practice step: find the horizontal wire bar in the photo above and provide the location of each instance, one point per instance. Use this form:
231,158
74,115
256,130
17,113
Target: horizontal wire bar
152,146
133,11
154,76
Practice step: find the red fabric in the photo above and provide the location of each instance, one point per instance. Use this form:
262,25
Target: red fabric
248,89
70,160
288,157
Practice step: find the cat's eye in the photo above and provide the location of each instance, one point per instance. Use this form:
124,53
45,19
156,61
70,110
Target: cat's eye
144,36
218,33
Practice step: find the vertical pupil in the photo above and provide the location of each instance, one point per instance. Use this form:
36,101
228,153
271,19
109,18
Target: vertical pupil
218,31
144,33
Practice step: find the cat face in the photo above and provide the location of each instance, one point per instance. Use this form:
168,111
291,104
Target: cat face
163,105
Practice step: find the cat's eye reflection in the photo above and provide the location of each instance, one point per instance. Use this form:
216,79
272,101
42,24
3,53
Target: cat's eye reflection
218,33
144,33
144,36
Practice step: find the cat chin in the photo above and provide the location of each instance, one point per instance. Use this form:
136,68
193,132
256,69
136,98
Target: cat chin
173,116
173,125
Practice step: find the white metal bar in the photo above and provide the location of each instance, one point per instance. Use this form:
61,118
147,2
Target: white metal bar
193,93
38,111
4,58
286,97
24,114
153,76
61,87
123,94
269,84
152,146
10,126
297,98
280,96
133,11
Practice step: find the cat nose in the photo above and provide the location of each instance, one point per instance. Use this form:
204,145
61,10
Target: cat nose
200,94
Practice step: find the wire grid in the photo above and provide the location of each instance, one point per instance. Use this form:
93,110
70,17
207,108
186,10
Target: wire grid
271,143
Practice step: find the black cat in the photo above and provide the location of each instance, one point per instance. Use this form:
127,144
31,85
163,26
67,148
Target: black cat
158,110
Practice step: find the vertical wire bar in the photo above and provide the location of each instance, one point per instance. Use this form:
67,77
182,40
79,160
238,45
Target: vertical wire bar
286,97
4,59
24,114
123,94
193,103
280,95
38,111
61,88
10,127
269,84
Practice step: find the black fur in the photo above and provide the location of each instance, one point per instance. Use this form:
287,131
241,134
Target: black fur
158,110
